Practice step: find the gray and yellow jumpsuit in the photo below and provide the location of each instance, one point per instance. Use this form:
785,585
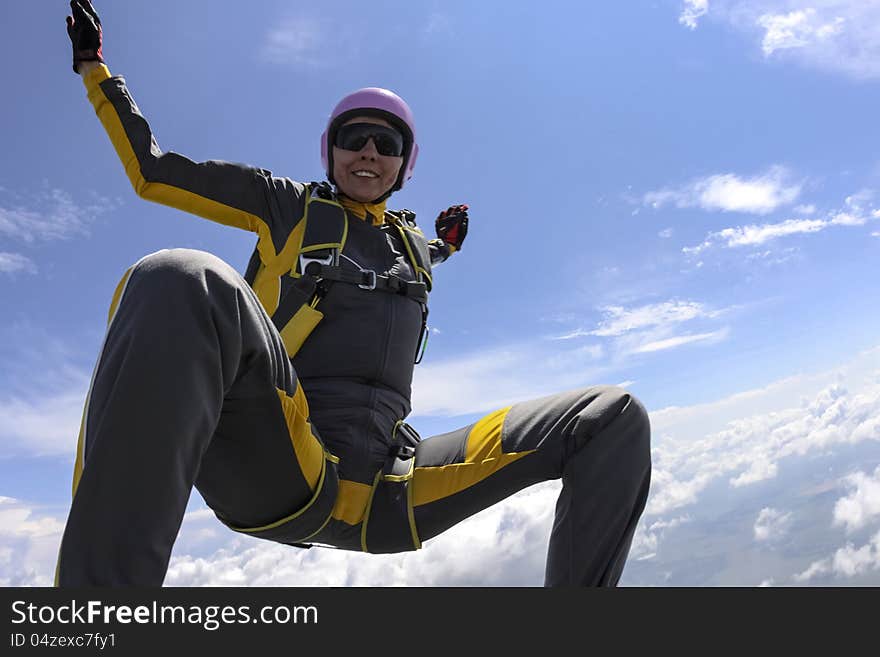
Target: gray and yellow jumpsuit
193,386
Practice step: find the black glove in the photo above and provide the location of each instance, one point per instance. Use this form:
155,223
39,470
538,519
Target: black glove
84,29
452,225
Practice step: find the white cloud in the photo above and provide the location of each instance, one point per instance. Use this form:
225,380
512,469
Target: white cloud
296,41
860,201
855,213
770,257
729,192
619,320
671,491
815,569
849,561
652,328
759,469
45,423
863,504
839,36
29,539
505,545
646,540
493,378
692,11
48,214
690,453
13,262
680,340
796,29
771,524
846,562
753,235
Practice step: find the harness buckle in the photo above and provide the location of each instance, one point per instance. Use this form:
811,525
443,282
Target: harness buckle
403,452
371,278
305,260
409,435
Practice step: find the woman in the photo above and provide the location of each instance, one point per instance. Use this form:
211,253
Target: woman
282,395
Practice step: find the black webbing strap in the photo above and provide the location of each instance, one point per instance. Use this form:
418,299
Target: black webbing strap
300,291
415,290
367,279
416,244
404,440
324,236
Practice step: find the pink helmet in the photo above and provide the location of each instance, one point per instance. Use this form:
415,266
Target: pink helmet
373,101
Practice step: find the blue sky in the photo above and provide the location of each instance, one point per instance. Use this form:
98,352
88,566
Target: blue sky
682,197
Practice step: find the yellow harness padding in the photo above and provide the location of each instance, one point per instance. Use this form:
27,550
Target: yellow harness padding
483,457
351,501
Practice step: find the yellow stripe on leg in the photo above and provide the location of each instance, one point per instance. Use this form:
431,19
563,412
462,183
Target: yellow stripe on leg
308,449
483,458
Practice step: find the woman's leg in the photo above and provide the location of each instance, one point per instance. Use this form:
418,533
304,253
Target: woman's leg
596,439
192,384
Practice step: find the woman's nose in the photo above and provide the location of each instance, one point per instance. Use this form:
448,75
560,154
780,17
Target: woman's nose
369,149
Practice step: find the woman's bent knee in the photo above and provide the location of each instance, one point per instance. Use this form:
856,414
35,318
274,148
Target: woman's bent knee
172,273
615,408
189,263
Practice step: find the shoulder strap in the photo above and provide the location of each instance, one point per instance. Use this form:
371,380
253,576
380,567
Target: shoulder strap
324,235
415,242
326,228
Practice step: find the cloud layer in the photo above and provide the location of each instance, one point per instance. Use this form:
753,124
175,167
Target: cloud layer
746,451
762,435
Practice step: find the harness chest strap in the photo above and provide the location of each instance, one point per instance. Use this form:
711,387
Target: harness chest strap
316,263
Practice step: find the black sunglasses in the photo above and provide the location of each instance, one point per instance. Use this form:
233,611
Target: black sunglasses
354,136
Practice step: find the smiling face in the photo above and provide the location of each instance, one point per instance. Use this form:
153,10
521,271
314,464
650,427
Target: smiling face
365,175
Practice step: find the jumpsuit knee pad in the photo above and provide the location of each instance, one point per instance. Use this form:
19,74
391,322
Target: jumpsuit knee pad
176,277
606,406
174,266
